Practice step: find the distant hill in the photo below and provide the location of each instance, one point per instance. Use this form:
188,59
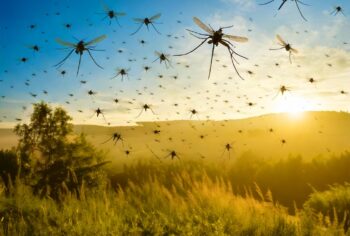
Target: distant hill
310,135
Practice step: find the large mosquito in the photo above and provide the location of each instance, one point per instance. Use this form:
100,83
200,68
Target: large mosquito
284,1
285,46
147,21
216,37
79,48
111,14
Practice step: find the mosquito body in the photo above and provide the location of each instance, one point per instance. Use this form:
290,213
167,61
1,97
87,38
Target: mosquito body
215,38
147,21
285,46
79,48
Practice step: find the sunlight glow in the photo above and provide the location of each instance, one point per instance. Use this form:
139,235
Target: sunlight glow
293,105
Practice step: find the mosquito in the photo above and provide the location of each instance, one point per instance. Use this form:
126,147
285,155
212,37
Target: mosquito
194,112
285,46
216,37
282,89
115,137
99,112
79,48
144,108
147,21
122,72
163,57
284,1
111,14
337,10
228,148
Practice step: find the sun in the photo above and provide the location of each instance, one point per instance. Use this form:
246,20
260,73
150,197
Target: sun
293,105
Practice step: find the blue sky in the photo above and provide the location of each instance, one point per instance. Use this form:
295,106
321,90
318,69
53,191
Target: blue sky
218,98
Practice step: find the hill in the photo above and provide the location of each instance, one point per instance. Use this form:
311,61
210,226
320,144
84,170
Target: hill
275,135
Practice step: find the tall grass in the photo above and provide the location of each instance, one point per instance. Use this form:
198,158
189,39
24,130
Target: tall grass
187,206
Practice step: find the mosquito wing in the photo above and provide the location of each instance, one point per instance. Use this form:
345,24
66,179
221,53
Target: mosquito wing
202,25
294,50
64,43
120,13
155,17
158,54
279,38
236,38
96,40
105,7
139,20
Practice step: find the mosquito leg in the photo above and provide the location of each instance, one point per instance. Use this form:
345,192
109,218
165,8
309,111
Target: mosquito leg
302,3
276,48
226,44
167,60
296,3
154,153
223,153
116,19
104,118
192,49
88,50
284,1
266,2
290,57
79,64
234,66
197,36
227,27
207,35
107,140
155,28
137,29
211,60
64,59
139,114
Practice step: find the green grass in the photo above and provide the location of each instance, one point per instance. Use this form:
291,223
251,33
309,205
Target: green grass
187,202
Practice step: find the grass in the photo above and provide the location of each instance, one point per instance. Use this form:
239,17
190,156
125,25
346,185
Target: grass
185,201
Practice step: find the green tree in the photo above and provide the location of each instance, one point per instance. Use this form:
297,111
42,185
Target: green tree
52,158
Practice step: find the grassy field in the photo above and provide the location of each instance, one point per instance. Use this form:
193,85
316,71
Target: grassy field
181,198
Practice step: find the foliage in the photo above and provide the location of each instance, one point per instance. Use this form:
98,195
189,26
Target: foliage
54,161
331,206
9,168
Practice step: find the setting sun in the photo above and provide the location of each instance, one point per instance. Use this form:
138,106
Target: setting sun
293,105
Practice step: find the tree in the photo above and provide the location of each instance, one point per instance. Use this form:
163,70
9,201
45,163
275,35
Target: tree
9,167
52,159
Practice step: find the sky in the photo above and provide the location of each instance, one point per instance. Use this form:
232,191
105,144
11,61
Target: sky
322,42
